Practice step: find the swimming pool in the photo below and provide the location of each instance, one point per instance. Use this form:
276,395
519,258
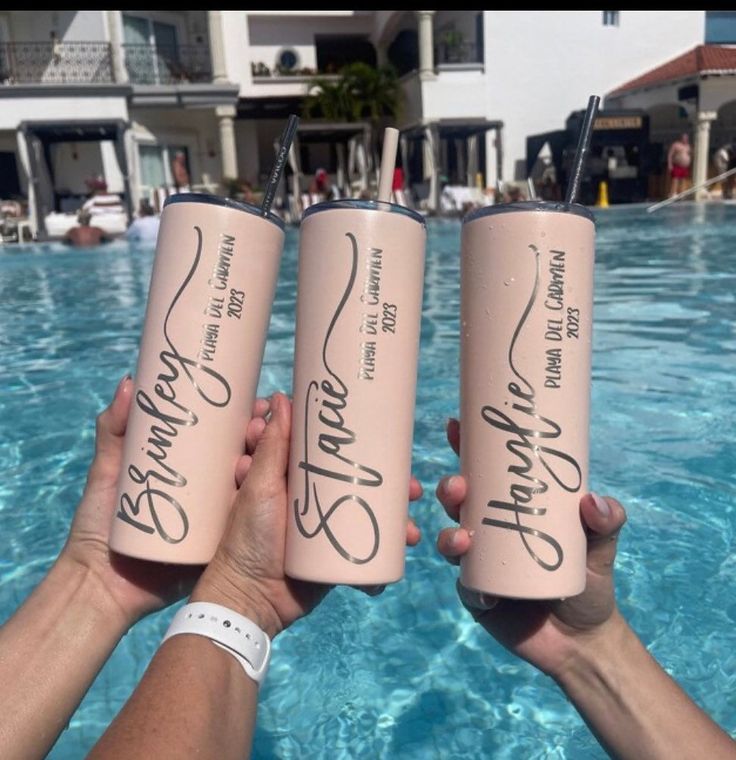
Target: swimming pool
409,675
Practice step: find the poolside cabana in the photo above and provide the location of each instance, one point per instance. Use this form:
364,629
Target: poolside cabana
39,136
450,148
355,165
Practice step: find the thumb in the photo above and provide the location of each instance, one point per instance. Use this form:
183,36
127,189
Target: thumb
603,518
110,434
271,456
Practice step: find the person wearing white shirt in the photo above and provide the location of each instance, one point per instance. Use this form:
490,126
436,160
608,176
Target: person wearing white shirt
144,228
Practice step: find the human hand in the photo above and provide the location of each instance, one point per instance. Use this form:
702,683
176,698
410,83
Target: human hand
247,572
136,586
548,633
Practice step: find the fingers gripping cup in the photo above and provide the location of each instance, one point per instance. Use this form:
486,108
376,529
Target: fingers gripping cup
209,305
361,267
526,322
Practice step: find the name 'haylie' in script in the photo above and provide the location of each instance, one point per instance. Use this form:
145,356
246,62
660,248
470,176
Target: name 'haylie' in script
534,462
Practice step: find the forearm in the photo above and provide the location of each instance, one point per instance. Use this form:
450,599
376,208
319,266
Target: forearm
50,652
195,700
633,707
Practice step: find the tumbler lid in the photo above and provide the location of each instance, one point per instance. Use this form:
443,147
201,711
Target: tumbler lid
365,205
558,207
218,200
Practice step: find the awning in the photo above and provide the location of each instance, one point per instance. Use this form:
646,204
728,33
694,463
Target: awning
457,129
329,132
40,135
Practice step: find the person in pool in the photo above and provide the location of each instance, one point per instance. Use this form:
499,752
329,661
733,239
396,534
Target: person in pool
196,698
144,229
85,234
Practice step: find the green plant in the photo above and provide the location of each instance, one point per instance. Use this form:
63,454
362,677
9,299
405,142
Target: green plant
361,92
260,69
452,38
231,186
453,44
376,91
331,99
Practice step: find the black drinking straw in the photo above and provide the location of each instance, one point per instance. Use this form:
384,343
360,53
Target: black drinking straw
581,154
287,137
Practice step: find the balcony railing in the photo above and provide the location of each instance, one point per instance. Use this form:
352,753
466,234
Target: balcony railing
168,64
55,63
464,52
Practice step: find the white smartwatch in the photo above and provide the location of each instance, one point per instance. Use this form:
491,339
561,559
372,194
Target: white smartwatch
241,637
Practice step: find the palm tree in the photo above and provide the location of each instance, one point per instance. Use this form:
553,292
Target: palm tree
362,92
377,92
332,100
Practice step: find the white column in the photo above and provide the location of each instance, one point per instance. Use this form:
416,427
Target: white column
381,55
225,118
217,47
115,27
426,44
702,145
471,147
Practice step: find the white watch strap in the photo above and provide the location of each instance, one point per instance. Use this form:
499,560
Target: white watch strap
241,637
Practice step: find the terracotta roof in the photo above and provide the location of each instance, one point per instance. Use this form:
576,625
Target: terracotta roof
699,60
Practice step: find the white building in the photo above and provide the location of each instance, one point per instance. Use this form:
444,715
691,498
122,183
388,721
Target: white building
463,73
218,85
695,91
111,93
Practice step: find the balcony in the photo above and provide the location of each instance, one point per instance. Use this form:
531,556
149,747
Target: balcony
55,62
168,65
461,53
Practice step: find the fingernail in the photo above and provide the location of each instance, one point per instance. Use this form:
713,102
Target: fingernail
122,383
451,482
455,540
601,505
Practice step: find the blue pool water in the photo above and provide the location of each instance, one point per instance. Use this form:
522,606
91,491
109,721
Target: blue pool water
409,675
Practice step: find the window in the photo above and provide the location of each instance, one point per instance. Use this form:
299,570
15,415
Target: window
720,27
334,52
610,18
151,51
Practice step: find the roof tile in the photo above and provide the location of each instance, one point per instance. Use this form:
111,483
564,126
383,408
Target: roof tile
698,60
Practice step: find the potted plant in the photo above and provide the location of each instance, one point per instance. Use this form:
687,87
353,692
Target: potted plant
260,69
452,46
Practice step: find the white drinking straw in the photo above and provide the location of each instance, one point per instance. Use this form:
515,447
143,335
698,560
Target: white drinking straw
388,162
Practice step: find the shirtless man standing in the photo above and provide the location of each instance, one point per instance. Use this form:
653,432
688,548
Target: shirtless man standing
679,159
